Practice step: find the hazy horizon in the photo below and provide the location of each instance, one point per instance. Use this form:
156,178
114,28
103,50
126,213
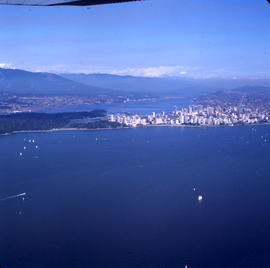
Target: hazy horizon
229,77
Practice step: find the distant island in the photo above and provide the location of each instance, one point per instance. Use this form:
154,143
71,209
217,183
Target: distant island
17,122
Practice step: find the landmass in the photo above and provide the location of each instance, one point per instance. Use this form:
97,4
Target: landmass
243,106
17,122
11,103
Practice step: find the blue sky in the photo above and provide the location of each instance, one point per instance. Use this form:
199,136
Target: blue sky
196,38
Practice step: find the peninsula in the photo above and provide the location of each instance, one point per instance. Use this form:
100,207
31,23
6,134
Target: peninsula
17,122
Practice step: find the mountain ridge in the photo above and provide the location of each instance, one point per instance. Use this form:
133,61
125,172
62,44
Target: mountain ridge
21,82
184,86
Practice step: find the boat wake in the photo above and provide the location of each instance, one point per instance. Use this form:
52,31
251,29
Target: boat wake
13,196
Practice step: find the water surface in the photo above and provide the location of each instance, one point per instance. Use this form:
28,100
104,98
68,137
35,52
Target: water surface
139,107
125,198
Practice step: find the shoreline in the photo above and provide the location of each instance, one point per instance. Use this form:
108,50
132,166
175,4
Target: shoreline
127,127
54,130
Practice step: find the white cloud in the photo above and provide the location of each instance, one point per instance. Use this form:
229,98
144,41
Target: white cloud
5,65
195,72
156,71
152,71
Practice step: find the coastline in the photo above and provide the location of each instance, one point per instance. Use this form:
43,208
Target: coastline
36,131
126,127
54,130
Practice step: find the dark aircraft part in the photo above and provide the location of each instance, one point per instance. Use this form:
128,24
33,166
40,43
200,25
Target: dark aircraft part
92,2
61,2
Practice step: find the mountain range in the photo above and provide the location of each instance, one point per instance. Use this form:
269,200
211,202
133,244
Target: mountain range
247,95
174,86
20,82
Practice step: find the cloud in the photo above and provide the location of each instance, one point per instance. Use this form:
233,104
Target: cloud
195,72
156,71
5,65
152,71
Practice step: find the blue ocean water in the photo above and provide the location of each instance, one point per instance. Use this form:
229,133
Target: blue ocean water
125,198
139,107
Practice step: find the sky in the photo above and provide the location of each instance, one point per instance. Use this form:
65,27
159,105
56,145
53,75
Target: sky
189,38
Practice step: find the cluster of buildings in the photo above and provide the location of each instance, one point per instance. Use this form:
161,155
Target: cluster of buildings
196,115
